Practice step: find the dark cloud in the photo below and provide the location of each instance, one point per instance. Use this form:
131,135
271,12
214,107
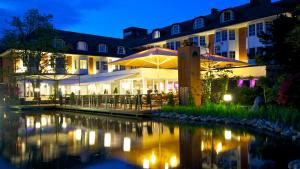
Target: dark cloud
66,13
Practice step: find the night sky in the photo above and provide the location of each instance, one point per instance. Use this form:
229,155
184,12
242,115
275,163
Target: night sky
110,17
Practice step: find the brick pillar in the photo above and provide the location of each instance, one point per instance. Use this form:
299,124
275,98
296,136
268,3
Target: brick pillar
69,64
91,66
211,41
242,45
189,75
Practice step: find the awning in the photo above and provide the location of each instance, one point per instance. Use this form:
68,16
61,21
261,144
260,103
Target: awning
96,79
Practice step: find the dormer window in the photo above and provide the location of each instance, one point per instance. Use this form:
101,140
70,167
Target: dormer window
102,48
156,34
58,43
81,45
175,29
227,16
199,23
121,50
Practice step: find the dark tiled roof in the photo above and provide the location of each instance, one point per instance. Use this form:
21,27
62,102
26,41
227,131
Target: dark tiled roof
71,39
242,13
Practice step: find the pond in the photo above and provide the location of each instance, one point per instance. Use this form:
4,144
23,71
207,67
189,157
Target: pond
53,140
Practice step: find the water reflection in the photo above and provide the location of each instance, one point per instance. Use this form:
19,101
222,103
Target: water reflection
66,140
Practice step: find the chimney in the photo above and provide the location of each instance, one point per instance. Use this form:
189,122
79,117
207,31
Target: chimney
260,2
214,11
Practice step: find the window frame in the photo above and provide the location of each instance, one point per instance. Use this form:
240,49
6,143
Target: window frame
224,35
175,29
198,23
202,41
259,28
156,34
83,64
252,30
227,15
85,48
123,50
232,54
102,46
218,37
231,34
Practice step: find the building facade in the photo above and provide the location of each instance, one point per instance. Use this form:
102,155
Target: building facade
232,32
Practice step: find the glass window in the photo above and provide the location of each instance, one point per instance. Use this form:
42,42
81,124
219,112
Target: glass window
196,41
259,28
231,34
175,29
252,30
251,53
82,46
102,48
177,45
121,50
202,41
83,64
97,65
218,36
227,16
156,35
269,26
199,23
76,64
59,43
104,65
224,54
224,35
232,54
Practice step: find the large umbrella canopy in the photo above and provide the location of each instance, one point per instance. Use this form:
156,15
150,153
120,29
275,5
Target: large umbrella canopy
166,59
154,57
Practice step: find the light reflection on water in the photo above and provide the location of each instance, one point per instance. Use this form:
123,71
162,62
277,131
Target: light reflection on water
73,140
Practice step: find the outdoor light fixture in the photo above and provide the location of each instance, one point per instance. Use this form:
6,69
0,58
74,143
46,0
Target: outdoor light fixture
146,164
219,148
78,134
227,134
166,165
153,158
36,89
107,140
173,161
37,125
92,138
126,144
227,97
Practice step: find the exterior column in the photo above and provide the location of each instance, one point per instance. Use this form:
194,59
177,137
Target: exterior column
211,42
242,45
144,83
190,87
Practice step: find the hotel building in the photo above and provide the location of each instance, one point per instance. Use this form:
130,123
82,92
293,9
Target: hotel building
231,33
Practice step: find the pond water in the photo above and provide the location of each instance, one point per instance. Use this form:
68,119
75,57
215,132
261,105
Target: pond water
52,140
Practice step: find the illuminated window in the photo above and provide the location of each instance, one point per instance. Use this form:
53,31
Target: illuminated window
97,65
121,50
231,34
104,65
196,41
251,30
82,46
175,29
83,64
156,34
199,23
259,28
102,48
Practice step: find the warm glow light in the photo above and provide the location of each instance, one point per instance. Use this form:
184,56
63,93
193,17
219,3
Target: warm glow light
127,144
107,140
92,138
44,121
167,166
78,134
219,147
64,125
202,146
146,164
4,115
227,134
153,158
227,97
173,161
37,125
36,89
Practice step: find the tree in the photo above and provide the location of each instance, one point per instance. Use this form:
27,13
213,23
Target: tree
282,44
33,40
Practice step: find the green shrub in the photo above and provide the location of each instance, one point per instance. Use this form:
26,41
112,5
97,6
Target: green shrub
171,101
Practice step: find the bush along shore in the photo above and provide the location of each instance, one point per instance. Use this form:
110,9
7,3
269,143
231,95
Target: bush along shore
277,120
